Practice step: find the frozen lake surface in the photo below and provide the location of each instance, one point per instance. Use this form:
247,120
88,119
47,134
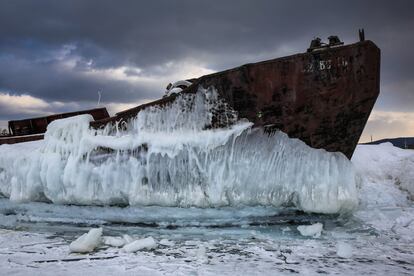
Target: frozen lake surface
35,239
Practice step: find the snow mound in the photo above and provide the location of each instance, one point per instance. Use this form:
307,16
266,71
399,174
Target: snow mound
170,156
313,230
147,243
87,242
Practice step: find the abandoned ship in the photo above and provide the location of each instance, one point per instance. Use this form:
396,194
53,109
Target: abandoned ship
323,96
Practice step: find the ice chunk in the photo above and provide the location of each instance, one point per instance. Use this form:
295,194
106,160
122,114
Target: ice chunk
137,245
114,241
313,230
87,242
344,250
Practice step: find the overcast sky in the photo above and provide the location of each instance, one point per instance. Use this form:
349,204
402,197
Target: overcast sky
56,55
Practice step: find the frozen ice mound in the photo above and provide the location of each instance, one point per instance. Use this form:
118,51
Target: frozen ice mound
171,156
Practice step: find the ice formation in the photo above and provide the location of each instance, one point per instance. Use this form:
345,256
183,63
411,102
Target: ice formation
171,156
87,242
377,239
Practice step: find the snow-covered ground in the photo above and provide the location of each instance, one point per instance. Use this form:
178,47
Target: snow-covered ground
376,239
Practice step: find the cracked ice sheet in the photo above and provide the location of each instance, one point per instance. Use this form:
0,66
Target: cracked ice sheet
24,253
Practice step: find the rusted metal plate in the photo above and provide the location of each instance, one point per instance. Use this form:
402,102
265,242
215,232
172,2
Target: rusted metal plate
20,139
323,97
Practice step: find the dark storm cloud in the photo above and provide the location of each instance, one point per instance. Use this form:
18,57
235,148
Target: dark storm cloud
49,81
37,39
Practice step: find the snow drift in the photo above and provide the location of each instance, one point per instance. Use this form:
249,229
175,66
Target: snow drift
387,189
171,157
386,163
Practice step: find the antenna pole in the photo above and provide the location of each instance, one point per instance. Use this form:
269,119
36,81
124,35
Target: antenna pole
99,97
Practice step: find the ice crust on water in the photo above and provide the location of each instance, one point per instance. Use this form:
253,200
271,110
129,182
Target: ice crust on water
171,157
87,242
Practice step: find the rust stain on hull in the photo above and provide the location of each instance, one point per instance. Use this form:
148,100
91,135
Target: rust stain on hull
20,139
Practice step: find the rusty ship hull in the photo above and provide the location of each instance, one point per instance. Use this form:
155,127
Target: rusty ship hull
322,97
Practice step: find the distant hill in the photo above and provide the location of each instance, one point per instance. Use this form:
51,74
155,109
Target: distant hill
401,142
